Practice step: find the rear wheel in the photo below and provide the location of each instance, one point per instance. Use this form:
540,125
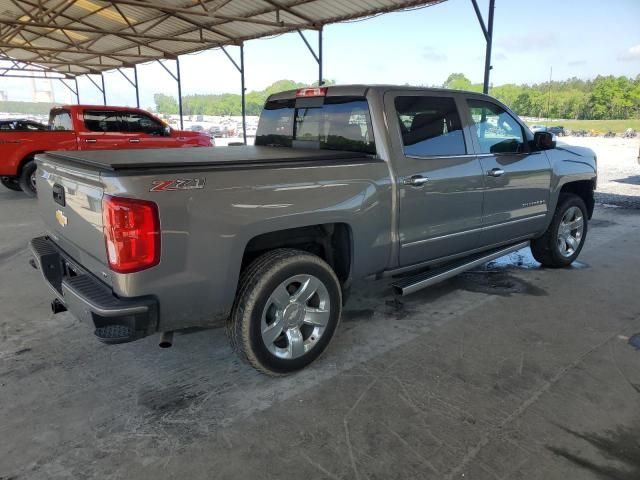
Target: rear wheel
286,312
27,179
11,183
562,242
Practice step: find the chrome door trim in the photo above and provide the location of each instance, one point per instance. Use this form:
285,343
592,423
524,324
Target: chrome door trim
518,220
473,230
448,258
437,157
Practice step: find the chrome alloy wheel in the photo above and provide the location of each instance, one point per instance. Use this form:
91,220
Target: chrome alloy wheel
570,231
295,316
32,180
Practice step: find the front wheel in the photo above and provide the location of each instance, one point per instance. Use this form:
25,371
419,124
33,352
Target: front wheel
562,242
286,311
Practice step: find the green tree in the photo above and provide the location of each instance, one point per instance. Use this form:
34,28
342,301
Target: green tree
165,103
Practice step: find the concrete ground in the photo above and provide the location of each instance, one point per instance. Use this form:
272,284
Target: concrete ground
507,372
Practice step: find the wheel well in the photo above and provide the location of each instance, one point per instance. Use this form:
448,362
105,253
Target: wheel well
329,241
584,189
23,162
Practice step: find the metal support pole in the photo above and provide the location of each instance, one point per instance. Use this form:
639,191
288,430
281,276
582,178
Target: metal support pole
244,116
100,88
487,57
179,93
75,79
320,80
104,92
317,57
135,79
176,77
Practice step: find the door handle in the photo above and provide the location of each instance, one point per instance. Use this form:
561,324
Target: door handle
415,180
495,172
134,140
90,140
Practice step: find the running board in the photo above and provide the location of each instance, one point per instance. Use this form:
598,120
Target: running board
431,277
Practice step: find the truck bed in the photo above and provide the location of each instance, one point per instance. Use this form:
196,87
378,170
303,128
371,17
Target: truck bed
117,160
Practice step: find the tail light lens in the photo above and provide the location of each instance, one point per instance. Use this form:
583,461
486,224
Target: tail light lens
132,233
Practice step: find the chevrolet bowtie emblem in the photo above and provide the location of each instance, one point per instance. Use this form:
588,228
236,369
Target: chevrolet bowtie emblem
61,217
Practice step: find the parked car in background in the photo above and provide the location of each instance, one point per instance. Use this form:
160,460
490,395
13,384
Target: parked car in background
343,183
557,130
85,127
215,131
543,128
196,128
538,128
21,125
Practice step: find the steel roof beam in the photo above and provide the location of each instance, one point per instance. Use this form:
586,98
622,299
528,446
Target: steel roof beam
290,11
76,51
191,11
55,27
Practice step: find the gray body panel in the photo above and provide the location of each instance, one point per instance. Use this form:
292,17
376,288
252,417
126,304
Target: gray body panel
249,191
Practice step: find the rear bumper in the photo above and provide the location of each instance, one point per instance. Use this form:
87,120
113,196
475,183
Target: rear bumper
90,300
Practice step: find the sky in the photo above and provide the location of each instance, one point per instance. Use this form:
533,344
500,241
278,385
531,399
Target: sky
581,38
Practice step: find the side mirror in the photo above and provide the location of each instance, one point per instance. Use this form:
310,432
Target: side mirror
166,131
543,141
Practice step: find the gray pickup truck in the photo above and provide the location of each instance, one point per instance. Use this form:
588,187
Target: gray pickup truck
343,182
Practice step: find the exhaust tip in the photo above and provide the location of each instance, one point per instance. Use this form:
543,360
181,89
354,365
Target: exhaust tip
166,340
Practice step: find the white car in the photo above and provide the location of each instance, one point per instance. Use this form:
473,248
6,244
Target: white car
542,128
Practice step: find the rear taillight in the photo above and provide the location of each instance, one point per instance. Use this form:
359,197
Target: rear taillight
132,233
311,92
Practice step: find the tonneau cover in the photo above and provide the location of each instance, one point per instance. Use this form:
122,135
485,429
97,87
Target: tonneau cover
199,157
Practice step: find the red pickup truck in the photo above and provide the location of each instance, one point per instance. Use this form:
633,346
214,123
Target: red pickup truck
86,127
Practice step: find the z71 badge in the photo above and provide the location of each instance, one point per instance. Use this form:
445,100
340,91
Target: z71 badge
173,185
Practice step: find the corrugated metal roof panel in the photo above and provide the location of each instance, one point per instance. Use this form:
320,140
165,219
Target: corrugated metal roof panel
100,35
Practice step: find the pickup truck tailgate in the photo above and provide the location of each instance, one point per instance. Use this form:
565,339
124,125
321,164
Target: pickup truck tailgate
70,202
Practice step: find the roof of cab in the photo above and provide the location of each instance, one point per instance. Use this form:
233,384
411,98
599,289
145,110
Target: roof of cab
361,90
97,107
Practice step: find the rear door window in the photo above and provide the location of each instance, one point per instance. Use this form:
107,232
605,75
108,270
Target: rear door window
102,121
60,120
332,123
140,123
430,126
496,129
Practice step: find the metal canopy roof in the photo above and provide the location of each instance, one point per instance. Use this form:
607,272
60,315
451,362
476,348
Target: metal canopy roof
78,37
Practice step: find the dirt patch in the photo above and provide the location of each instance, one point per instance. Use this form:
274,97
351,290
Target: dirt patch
621,446
496,282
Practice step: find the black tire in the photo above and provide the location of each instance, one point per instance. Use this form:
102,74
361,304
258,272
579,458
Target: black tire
257,284
26,179
11,183
545,249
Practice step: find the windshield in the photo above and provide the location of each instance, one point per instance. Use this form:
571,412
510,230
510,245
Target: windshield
340,123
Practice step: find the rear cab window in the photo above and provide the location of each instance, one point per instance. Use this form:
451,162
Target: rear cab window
326,123
60,119
430,126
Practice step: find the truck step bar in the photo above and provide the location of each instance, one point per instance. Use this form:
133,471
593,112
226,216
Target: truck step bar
414,283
